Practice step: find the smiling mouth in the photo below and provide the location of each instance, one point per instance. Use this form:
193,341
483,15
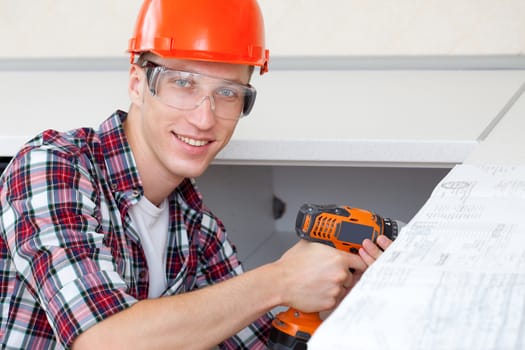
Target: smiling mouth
193,142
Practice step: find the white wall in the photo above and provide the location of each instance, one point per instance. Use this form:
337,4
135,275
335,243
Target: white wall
101,28
395,27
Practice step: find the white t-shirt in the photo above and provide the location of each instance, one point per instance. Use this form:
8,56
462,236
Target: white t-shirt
152,226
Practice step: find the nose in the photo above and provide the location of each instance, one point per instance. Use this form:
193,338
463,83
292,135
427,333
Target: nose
211,99
205,113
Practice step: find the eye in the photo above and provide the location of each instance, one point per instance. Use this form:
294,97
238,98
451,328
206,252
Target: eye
181,82
228,92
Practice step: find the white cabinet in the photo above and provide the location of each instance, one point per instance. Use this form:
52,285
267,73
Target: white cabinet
364,117
399,118
505,144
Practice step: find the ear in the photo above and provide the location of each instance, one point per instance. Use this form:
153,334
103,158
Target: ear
135,87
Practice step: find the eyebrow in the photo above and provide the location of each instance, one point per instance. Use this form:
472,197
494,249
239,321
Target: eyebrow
183,67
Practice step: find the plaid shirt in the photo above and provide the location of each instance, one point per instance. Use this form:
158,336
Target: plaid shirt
69,254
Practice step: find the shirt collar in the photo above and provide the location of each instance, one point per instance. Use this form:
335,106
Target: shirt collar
122,170
121,167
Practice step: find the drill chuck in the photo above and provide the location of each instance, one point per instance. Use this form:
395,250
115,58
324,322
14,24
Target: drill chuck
391,228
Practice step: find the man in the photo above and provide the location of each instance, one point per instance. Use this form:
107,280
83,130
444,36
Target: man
105,241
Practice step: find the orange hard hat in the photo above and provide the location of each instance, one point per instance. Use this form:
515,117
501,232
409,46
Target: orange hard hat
230,31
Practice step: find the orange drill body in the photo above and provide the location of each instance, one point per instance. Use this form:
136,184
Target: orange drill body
341,227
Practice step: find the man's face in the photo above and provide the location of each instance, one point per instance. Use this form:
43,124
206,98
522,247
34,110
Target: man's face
179,143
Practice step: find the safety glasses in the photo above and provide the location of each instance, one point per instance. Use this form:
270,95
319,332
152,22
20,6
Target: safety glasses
188,90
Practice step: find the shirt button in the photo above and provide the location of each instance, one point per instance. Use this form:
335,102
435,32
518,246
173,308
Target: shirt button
136,193
143,274
113,186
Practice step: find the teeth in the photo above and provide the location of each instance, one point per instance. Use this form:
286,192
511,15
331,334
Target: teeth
192,142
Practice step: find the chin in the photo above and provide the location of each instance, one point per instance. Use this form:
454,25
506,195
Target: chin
189,170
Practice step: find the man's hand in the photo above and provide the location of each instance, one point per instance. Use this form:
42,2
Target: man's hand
318,276
370,252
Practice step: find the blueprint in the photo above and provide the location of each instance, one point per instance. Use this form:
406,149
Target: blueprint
454,278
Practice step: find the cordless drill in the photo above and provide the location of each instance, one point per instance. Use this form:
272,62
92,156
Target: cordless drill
341,227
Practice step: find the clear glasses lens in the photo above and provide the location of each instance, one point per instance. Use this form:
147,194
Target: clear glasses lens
187,91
